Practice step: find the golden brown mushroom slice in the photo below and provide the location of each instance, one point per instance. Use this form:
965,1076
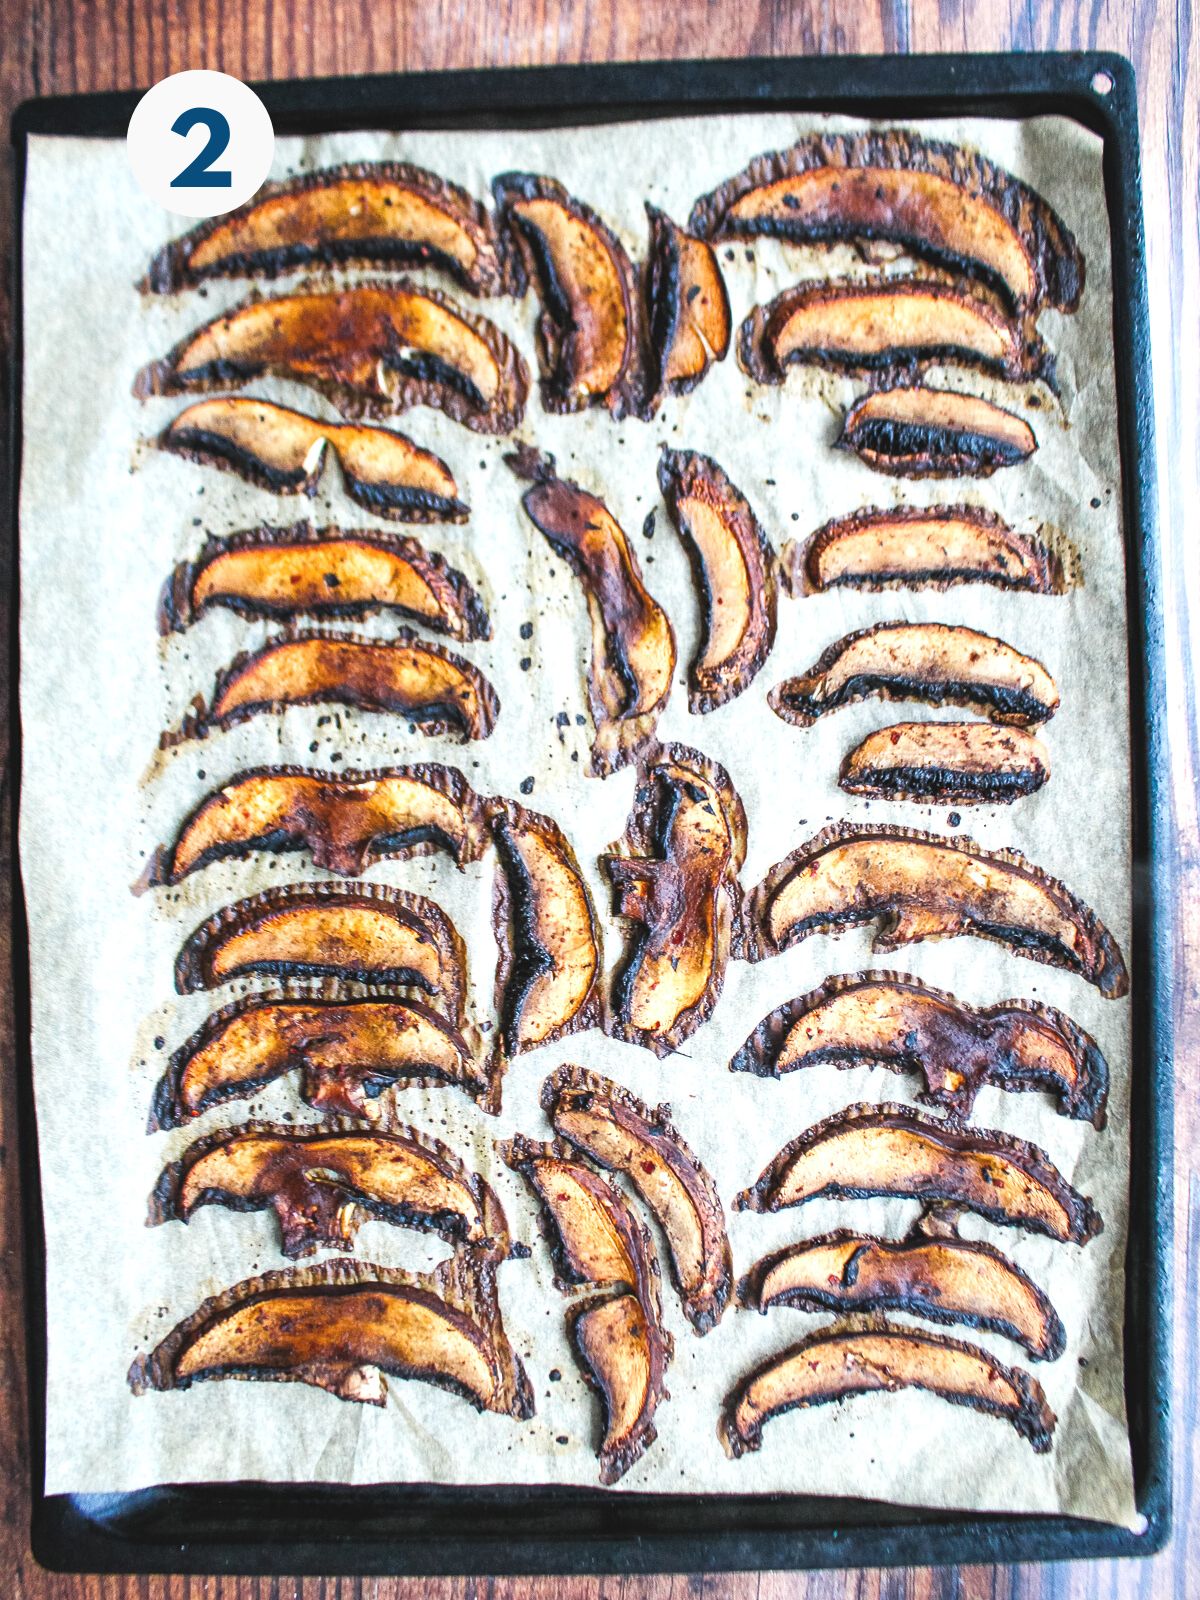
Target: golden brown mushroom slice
941,1280
324,572
688,306
893,1020
834,1366
623,1356
593,1235
871,1150
676,880
348,1052
369,213
735,572
346,820
967,763
923,886
946,204
283,451
374,349
915,432
622,1134
345,1327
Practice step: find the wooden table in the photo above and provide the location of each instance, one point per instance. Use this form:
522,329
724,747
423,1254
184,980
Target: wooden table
68,46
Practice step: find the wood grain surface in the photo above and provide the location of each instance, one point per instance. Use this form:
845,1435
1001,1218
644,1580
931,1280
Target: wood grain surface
67,46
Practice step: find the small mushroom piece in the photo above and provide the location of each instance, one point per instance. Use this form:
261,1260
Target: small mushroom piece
966,763
915,432
623,1357
688,306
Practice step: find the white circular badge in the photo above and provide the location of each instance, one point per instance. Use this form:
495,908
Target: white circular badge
200,143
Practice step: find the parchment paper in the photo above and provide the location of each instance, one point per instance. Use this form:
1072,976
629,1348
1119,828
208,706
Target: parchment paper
104,518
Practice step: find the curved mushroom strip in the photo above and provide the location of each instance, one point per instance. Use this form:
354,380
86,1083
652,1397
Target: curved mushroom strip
365,932
892,1020
347,820
342,1327
735,573
891,1150
968,763
633,645
688,306
922,886
623,1357
942,1280
928,661
283,451
370,213
621,1133
348,1053
287,572
915,432
374,349
939,201
323,1182
834,1366
676,880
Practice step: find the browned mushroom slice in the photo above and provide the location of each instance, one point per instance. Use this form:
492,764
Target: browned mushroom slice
342,1327
735,573
922,886
623,1356
915,432
676,880
633,645
834,1366
374,349
619,1132
345,819
939,201
688,306
366,932
284,451
893,1020
348,1053
377,213
870,1150
909,547
286,572
942,1280
970,763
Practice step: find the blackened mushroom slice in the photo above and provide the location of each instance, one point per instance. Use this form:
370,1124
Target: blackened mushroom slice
621,1133
688,306
374,349
283,451
893,1020
345,1327
968,763
915,432
371,213
735,571
834,1366
940,1280
623,1356
922,886
676,881
891,1150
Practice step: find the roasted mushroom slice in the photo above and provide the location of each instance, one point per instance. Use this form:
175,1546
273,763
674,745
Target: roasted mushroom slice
348,1052
834,1366
373,349
327,572
916,432
633,645
735,572
623,1356
937,200
283,451
923,886
893,1150
342,1326
969,763
942,1280
619,1132
893,1020
928,661
370,213
676,879
688,306
345,819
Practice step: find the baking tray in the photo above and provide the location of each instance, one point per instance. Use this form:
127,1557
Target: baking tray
434,1529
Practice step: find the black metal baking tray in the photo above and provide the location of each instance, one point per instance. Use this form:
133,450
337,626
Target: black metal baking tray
427,1529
